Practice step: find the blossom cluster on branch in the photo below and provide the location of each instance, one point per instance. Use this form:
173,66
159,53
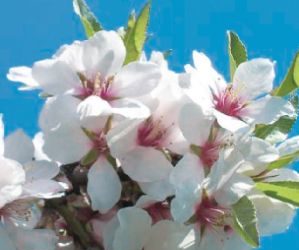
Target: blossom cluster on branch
134,156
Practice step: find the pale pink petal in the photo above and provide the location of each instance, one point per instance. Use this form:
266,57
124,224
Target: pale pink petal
104,187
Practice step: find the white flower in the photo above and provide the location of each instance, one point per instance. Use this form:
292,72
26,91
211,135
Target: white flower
93,68
39,173
12,175
71,143
245,101
207,139
206,201
139,143
132,229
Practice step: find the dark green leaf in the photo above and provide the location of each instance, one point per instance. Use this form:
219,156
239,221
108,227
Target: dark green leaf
291,80
135,36
236,51
88,19
244,216
286,191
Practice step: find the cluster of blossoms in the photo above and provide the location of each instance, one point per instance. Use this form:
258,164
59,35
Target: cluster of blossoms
134,156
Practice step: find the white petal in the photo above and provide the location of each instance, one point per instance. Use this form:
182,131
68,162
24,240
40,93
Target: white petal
57,111
93,106
55,77
289,146
183,207
234,240
282,174
169,235
103,53
104,187
38,142
122,138
68,144
221,172
130,108
109,232
136,79
5,241
197,89
71,55
146,164
36,239
256,150
159,190
230,123
36,170
273,221
195,125
207,73
218,239
24,75
134,229
18,146
11,179
254,78
234,189
43,188
268,109
187,175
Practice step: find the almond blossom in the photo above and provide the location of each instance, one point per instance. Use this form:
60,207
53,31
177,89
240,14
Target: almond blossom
89,68
19,212
246,100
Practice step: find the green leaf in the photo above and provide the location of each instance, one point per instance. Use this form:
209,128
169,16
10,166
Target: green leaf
88,19
236,51
286,191
135,36
291,80
90,157
245,221
167,53
278,131
283,161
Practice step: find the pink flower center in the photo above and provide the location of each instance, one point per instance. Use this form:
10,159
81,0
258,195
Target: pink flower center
229,103
98,86
99,143
209,153
151,134
159,211
209,214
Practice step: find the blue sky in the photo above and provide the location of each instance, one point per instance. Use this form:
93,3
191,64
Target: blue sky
34,29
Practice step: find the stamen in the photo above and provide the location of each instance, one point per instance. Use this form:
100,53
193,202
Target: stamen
210,153
99,143
97,86
229,103
209,214
152,134
159,211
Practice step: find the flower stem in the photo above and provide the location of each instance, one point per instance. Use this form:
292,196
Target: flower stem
74,225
